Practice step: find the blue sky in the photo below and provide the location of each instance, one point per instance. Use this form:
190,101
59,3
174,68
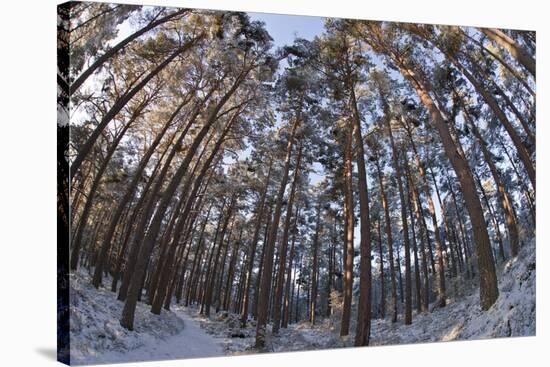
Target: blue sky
284,28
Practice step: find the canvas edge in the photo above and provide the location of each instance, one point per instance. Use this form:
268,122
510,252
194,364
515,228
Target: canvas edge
63,203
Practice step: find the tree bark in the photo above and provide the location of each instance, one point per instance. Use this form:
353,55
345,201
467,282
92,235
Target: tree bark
506,42
278,293
315,266
348,250
127,319
129,194
505,200
119,46
362,334
253,246
121,102
488,279
287,303
263,299
406,240
389,238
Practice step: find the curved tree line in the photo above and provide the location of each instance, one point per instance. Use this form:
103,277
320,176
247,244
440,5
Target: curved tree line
359,174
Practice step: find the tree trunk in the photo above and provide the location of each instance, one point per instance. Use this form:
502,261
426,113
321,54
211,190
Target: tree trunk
389,238
216,301
452,242
506,42
196,261
253,245
505,200
286,302
362,334
119,46
488,279
461,226
399,272
152,200
278,293
492,216
211,286
120,103
184,216
265,285
231,272
423,261
500,114
297,312
441,299
127,319
258,282
348,251
77,242
418,296
315,266
525,188
382,283
406,240
129,194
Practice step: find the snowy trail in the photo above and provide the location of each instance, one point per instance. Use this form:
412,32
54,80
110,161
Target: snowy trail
197,342
191,342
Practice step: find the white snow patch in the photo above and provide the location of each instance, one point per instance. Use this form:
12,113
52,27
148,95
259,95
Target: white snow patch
98,337
514,314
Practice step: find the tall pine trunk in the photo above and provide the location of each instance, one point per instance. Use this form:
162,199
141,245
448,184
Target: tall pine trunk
406,240
364,306
278,293
253,245
506,42
120,103
488,280
504,197
315,266
389,238
267,272
348,234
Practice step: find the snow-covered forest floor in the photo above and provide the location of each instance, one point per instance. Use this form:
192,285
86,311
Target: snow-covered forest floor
514,313
97,337
462,319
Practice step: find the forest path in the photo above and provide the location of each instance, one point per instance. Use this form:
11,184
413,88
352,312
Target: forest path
191,342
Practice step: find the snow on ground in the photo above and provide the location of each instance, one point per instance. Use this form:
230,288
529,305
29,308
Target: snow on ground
462,319
514,313
97,337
